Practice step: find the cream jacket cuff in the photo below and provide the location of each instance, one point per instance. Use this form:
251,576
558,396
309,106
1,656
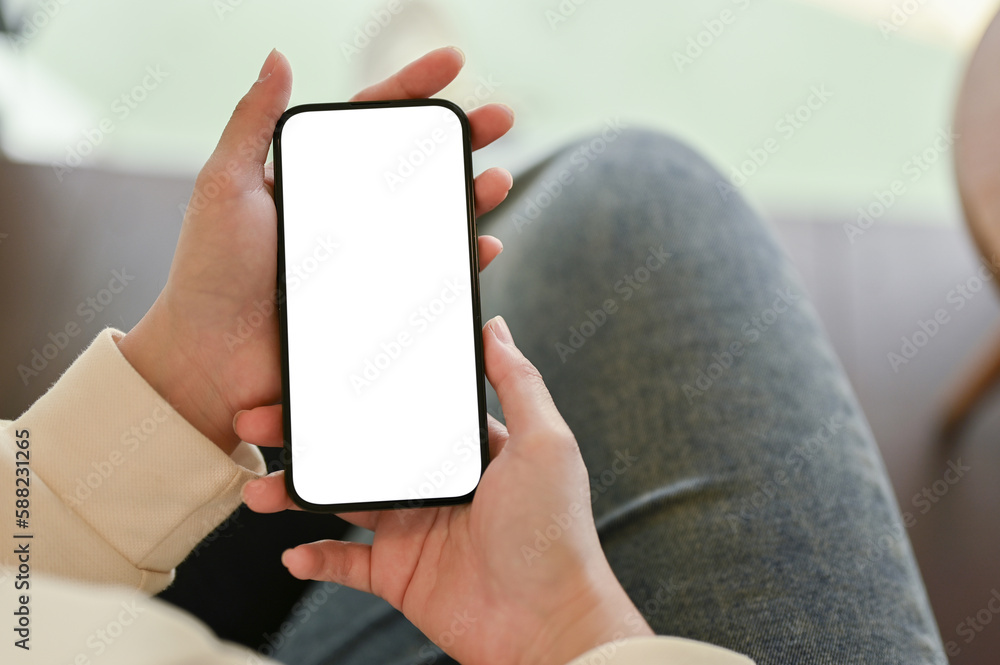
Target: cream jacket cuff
672,650
122,487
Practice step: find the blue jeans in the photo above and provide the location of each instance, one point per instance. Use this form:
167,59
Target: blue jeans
737,489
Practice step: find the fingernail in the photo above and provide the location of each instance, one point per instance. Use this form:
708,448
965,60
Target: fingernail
510,111
510,178
500,330
459,51
265,70
237,417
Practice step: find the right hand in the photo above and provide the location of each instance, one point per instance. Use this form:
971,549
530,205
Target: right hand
479,579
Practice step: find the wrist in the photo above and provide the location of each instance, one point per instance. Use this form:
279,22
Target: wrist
596,615
156,352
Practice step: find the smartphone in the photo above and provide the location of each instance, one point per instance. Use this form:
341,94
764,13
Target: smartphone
378,303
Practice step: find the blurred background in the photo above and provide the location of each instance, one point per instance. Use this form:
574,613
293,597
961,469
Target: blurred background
814,108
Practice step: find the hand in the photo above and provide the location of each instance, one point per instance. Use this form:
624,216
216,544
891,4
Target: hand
209,343
518,575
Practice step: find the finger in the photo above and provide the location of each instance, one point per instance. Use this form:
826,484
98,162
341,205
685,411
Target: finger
491,188
332,561
488,123
423,77
489,249
526,402
270,495
498,435
247,137
261,426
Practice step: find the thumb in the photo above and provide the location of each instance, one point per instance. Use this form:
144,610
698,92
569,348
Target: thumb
526,403
245,140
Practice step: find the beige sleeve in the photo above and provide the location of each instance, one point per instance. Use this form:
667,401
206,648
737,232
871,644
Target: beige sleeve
121,487
81,624
661,650
85,625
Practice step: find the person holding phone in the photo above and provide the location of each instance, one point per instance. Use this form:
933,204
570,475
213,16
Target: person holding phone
520,574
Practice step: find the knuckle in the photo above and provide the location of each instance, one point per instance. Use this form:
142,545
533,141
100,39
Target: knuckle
565,440
241,107
337,568
529,370
529,375
555,436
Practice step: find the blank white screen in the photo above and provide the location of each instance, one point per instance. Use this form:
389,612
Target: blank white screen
382,366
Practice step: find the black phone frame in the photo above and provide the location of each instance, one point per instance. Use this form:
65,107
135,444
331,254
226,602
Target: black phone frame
282,309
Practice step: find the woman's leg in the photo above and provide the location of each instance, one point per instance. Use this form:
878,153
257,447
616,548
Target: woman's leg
738,492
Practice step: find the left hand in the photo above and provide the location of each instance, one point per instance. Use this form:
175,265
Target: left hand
209,344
